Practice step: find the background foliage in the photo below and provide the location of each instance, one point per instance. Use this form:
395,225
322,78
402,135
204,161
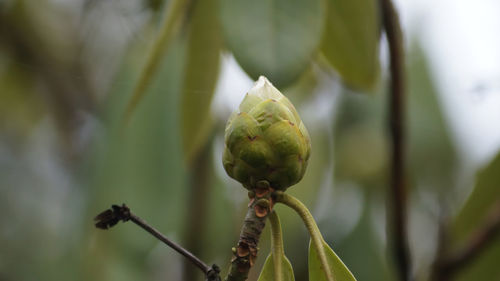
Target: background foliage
67,69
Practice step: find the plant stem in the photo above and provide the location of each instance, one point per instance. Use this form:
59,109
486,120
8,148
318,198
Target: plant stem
276,245
112,216
173,14
245,252
313,229
397,193
195,260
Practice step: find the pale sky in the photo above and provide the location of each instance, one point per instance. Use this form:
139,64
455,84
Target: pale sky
462,38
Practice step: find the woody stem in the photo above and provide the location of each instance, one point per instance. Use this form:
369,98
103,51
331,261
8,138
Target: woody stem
245,252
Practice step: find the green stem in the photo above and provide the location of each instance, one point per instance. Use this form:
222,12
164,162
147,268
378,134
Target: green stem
276,245
173,13
313,229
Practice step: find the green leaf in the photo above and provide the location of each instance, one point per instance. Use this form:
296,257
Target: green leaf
350,42
140,166
274,38
361,249
485,194
337,267
267,273
204,44
428,130
21,107
361,144
174,14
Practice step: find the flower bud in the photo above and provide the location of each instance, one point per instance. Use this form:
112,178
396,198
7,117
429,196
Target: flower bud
265,140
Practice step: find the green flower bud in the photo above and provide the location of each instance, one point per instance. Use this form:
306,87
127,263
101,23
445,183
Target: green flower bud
265,140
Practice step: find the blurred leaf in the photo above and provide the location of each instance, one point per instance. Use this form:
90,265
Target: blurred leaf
351,41
200,79
361,142
319,163
35,41
428,134
363,252
267,273
486,193
140,167
154,5
21,108
173,17
274,38
339,270
222,228
362,155
304,86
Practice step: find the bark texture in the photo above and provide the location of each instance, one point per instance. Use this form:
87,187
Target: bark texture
245,252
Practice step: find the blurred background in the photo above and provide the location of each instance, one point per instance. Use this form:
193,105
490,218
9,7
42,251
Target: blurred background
67,71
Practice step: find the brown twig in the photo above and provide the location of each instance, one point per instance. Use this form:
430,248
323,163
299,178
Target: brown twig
446,267
111,217
398,191
245,252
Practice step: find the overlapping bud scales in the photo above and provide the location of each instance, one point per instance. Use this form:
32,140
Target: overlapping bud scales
265,140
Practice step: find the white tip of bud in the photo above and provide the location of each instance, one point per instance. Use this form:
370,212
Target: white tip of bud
262,81
265,89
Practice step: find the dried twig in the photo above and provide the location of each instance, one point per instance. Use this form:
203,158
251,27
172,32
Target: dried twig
111,217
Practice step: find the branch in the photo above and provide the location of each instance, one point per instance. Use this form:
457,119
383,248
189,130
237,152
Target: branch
111,217
398,191
245,252
478,242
